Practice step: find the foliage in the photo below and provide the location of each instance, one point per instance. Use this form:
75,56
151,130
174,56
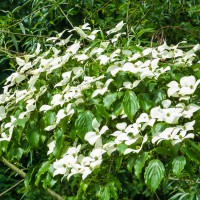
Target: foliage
104,115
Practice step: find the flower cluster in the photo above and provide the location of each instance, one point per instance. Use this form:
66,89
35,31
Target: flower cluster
75,87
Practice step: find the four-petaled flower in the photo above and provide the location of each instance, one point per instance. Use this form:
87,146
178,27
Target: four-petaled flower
93,136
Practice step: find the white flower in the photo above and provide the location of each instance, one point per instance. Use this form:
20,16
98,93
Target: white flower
20,62
167,134
51,146
174,87
188,85
135,56
5,137
78,71
73,48
114,69
66,77
57,99
130,67
101,88
31,105
51,127
130,150
148,68
81,57
116,37
11,126
146,51
76,169
92,35
45,108
15,78
181,136
92,136
68,111
86,26
2,113
163,47
144,118
166,103
171,115
111,146
118,27
189,126
61,166
129,85
189,110
103,59
156,113
97,153
73,150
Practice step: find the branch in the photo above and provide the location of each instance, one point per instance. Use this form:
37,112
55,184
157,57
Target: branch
1,194
29,35
64,15
180,28
23,174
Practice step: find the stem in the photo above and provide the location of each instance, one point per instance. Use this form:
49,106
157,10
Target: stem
1,194
127,18
23,174
29,35
13,167
65,15
180,28
21,20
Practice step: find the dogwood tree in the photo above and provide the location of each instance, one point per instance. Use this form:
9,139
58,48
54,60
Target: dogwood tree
92,108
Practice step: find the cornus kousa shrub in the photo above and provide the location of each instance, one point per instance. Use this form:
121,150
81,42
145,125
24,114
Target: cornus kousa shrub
92,110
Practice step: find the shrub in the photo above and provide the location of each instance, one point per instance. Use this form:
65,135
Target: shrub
93,110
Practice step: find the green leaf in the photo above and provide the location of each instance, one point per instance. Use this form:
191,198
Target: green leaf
59,137
29,176
154,173
50,118
159,97
113,190
145,102
109,99
130,164
146,30
45,167
163,151
21,122
102,111
84,185
15,153
121,148
139,163
105,193
84,123
32,135
159,127
118,109
196,146
48,181
22,28
119,163
190,154
131,104
14,40
178,165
